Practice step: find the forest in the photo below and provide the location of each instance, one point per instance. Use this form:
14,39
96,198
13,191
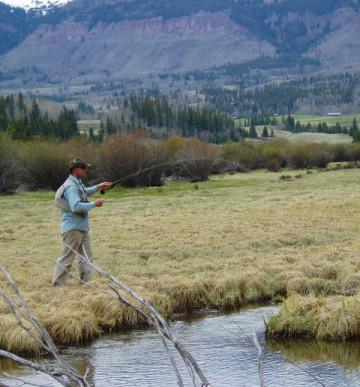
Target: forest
161,119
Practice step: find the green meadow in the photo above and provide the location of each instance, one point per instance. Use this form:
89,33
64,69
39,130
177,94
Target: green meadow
233,240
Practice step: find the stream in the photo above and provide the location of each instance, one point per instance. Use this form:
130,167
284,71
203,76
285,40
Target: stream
220,344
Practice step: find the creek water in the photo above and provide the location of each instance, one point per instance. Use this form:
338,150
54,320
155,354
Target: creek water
221,346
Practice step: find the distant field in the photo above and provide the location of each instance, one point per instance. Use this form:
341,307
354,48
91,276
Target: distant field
330,120
85,125
315,137
309,137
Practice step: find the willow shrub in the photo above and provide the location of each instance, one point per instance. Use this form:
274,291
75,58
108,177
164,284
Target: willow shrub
273,154
341,152
44,163
195,160
355,151
245,155
309,155
9,166
132,159
79,147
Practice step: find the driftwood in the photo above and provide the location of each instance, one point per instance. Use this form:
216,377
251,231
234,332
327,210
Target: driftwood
62,372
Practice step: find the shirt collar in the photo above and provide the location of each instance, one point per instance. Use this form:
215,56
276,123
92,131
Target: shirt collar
77,181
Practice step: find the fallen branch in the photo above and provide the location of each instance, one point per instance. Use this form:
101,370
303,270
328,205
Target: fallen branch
63,372
259,351
153,318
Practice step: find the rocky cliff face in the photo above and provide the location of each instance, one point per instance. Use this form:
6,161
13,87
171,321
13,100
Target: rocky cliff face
76,50
131,48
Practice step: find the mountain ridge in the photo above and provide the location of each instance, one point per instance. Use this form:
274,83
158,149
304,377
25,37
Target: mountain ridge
94,41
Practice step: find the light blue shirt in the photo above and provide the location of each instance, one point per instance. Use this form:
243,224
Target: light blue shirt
69,220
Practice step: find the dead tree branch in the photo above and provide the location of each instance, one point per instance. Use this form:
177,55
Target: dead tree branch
259,353
153,318
63,372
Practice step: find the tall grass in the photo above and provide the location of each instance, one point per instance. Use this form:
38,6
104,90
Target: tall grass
224,243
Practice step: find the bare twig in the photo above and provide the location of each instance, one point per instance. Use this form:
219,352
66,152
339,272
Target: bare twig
259,351
249,339
152,317
62,372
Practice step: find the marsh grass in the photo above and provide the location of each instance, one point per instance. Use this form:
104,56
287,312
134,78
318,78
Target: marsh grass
231,241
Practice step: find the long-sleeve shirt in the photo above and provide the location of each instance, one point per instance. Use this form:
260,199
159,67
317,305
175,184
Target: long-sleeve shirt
69,220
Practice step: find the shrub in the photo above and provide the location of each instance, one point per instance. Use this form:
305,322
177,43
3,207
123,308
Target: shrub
274,150
273,165
195,162
305,155
132,158
244,154
80,147
341,152
45,164
355,151
9,166
174,144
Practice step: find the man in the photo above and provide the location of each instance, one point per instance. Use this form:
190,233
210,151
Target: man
71,197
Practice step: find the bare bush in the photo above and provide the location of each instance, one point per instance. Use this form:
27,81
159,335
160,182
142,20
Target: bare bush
273,165
79,147
341,152
304,155
45,164
9,166
355,151
132,160
195,162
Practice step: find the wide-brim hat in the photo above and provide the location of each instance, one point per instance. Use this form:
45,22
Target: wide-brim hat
77,163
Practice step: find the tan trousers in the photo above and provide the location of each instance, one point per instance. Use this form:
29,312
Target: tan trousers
80,242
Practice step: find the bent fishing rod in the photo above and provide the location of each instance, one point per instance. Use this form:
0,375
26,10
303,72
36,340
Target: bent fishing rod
117,182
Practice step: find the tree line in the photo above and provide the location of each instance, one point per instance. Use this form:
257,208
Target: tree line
23,123
162,119
285,97
156,116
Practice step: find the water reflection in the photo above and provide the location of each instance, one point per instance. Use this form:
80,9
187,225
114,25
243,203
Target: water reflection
220,345
345,354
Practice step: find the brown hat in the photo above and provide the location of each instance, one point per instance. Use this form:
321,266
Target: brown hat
77,163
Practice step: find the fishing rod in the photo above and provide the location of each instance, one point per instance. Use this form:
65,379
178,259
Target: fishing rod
117,182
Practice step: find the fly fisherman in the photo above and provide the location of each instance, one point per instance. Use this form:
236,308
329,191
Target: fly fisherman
71,197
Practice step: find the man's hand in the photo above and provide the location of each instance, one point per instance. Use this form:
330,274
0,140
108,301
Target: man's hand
105,185
99,202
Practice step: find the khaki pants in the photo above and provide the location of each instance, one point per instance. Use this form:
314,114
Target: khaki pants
80,242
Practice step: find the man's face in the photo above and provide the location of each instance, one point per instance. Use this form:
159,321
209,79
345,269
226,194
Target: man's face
80,171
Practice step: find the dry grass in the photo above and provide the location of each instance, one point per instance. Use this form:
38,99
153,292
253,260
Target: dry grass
324,318
234,240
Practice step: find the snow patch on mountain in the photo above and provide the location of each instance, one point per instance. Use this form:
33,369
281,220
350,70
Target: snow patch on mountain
35,4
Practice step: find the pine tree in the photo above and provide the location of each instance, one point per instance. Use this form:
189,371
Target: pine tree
265,132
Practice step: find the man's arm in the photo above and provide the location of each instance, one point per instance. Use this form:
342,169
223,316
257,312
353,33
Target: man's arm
72,196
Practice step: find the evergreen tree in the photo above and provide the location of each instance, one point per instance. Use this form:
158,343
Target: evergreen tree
92,136
252,131
265,132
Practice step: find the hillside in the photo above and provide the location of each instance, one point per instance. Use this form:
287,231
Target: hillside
88,43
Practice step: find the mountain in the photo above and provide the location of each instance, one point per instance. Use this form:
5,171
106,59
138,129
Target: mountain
89,42
35,4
